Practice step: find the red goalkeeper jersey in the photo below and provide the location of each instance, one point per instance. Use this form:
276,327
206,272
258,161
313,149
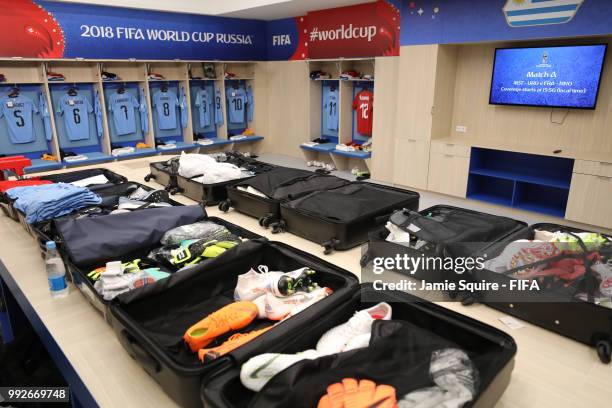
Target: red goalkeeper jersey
364,105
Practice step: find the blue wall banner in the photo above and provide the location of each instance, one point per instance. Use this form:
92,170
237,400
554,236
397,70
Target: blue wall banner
43,29
458,21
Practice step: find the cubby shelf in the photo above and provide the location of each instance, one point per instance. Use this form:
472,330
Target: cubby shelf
248,139
526,181
357,154
323,147
527,178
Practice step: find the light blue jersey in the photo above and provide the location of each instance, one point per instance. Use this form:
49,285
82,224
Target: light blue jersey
203,103
183,106
18,115
237,99
330,109
165,104
75,110
218,108
98,115
250,103
122,107
144,112
46,115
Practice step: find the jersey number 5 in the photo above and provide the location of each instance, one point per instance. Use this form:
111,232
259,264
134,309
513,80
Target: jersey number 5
20,122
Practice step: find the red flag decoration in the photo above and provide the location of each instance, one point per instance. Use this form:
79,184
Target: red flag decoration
363,30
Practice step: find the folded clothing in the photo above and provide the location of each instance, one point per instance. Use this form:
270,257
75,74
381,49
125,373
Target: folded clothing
76,158
90,181
116,280
206,169
122,150
48,201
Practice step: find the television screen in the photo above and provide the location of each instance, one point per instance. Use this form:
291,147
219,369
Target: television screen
560,77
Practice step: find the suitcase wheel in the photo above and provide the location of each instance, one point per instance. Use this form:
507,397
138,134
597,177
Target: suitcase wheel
365,260
278,227
148,177
266,220
225,206
175,190
330,246
604,351
468,300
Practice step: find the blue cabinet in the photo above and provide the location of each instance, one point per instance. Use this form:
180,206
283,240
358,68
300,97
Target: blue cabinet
526,181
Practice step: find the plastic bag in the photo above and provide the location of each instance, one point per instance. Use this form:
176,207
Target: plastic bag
205,230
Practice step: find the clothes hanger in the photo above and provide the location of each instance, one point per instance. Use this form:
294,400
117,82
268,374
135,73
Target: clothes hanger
72,91
121,89
164,88
14,92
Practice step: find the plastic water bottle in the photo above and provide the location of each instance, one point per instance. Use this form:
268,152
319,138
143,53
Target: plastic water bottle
56,272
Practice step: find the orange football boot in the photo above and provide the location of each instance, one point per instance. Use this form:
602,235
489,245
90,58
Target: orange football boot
231,317
363,394
230,345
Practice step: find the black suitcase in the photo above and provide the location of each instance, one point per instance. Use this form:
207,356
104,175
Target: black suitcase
45,230
151,327
556,309
89,243
68,177
341,218
491,350
166,173
279,185
464,233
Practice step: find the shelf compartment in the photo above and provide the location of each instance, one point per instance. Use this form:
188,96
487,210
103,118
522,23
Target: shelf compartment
490,189
248,139
542,199
357,154
533,179
323,147
522,167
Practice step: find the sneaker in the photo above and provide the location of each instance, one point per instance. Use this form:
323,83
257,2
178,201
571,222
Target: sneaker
279,308
257,371
330,167
337,339
352,393
253,284
231,317
309,163
231,344
355,171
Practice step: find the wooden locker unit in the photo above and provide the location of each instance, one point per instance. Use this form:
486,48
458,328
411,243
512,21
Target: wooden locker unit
411,160
590,195
448,174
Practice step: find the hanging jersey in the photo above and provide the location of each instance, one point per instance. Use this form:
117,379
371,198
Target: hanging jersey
75,110
122,107
45,114
237,100
183,108
218,108
165,105
203,104
98,115
250,104
144,112
330,108
18,115
364,105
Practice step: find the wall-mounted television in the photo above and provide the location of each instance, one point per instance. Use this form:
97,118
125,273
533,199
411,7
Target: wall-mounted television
557,77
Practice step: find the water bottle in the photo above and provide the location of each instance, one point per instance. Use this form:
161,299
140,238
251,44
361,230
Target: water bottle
56,272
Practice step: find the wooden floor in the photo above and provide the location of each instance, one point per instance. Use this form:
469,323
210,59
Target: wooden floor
551,371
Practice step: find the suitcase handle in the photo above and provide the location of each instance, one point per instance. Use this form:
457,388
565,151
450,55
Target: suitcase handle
138,353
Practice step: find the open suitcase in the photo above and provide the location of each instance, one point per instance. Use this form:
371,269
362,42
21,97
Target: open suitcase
151,326
461,233
398,364
70,177
167,174
88,243
341,218
278,185
110,193
563,307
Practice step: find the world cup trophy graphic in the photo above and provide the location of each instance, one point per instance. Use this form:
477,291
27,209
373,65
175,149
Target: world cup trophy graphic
29,31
